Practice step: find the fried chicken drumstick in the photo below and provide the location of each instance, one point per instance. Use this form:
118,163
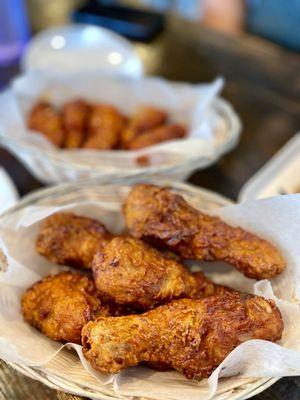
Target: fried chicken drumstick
45,119
191,336
157,135
60,305
144,119
67,239
105,126
164,218
129,272
75,116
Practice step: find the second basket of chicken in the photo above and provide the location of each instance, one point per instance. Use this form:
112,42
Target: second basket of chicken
69,127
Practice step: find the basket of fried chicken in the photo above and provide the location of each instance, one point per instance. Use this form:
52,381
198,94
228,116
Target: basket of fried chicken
129,277
67,127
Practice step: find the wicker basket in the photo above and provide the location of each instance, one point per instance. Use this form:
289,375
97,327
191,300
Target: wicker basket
65,371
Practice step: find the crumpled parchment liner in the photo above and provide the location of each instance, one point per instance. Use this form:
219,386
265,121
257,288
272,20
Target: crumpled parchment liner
277,219
8,191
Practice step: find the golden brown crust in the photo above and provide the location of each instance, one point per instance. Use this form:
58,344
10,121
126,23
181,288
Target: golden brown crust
132,273
165,218
75,116
44,119
100,126
191,336
60,305
105,125
157,135
68,239
144,119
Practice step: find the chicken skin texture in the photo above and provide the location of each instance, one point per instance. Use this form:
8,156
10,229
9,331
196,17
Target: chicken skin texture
44,119
129,272
164,218
157,135
104,129
80,124
60,305
144,119
191,336
75,116
68,239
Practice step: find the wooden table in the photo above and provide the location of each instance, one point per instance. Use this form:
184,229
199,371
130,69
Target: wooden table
263,84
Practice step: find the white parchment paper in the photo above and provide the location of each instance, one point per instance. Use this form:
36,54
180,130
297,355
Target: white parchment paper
8,191
277,219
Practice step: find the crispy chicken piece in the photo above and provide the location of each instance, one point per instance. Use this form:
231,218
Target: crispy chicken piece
130,272
158,135
165,218
67,239
191,336
105,125
44,119
60,305
144,119
74,138
75,117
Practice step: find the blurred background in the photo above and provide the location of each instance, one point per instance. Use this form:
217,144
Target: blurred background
275,20
253,44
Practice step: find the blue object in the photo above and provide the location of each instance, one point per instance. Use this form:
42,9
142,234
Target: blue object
277,20
132,23
14,30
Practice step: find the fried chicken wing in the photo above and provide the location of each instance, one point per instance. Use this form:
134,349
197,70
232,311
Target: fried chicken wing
157,135
44,119
75,117
165,218
60,305
130,272
68,239
191,336
105,125
144,119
